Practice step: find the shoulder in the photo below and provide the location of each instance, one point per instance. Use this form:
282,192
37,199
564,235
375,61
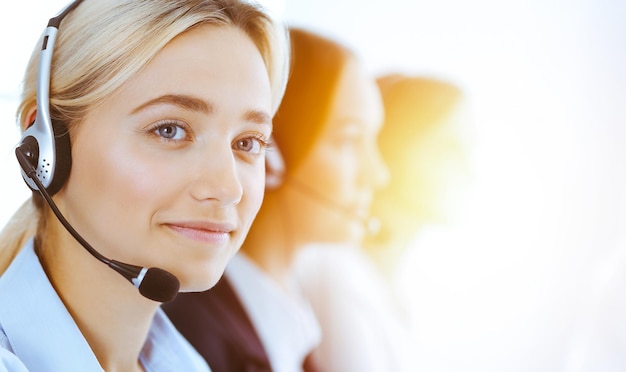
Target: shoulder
326,256
329,263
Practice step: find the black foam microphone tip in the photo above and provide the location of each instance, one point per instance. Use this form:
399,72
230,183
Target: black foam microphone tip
159,285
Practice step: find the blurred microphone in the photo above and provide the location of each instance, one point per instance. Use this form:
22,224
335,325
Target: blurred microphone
153,283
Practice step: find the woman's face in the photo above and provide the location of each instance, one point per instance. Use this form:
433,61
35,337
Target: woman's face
169,171
333,186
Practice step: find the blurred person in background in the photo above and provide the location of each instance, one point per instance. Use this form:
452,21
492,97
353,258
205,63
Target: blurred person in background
364,324
424,142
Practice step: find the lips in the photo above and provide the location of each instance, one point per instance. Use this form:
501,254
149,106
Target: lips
211,233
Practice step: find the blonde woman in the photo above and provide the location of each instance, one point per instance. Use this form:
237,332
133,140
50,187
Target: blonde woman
166,107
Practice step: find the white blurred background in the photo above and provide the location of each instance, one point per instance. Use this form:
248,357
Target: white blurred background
503,289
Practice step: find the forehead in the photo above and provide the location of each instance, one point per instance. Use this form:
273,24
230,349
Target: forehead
213,63
218,51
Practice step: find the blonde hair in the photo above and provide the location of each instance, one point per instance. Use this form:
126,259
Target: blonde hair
102,44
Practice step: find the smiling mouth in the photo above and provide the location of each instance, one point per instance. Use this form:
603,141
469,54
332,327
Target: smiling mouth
202,235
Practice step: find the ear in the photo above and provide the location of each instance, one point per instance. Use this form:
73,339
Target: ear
29,118
274,168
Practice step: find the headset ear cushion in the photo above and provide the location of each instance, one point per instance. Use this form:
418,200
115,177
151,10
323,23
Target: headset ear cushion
63,162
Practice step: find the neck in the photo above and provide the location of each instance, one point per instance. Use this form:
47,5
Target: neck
111,314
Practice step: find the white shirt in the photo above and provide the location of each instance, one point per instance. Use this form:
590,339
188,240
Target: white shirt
283,321
37,333
361,326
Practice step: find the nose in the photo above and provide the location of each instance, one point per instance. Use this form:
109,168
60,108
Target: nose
217,178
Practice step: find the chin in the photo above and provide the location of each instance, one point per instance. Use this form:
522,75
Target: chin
201,280
198,286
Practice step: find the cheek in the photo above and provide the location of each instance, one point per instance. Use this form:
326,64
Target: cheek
127,175
253,183
117,181
333,184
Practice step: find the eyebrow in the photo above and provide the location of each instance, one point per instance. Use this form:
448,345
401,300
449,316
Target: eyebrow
258,117
183,101
199,105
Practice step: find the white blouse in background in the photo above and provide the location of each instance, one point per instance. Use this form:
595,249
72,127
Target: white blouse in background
362,327
283,319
